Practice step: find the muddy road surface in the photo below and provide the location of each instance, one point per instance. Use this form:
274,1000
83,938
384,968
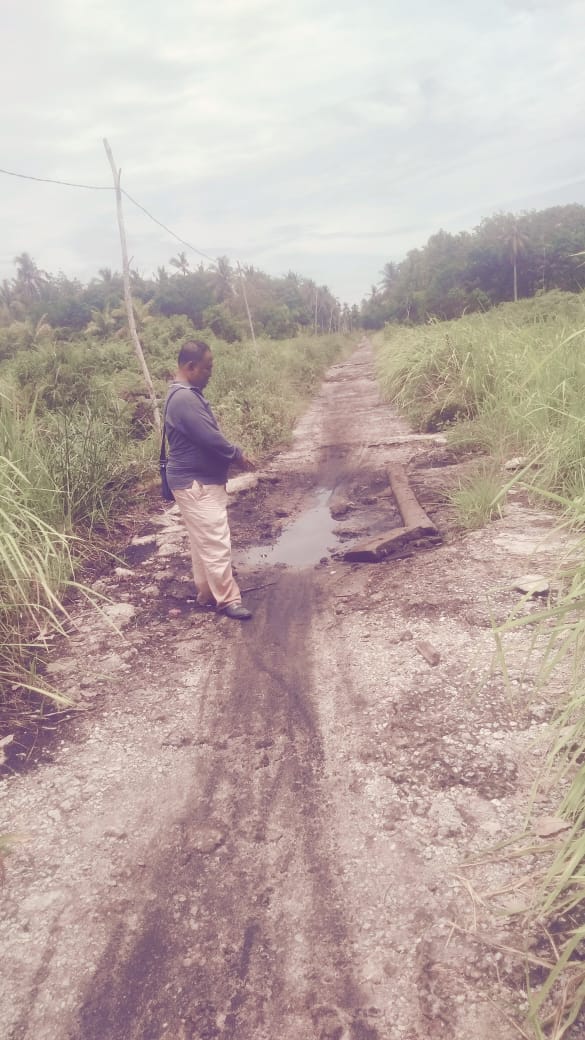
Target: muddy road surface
281,830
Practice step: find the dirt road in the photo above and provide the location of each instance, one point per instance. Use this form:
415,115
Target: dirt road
260,831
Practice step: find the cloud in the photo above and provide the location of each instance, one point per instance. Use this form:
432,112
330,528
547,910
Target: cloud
257,128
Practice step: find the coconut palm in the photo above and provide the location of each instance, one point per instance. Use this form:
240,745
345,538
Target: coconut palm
224,288
29,278
389,275
181,262
104,323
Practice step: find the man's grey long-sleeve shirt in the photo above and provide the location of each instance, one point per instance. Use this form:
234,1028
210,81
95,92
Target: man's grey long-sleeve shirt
197,448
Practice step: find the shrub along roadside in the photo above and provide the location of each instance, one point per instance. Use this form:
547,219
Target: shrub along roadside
509,382
75,441
512,382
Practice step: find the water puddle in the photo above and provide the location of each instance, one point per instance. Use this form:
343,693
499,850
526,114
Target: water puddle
303,542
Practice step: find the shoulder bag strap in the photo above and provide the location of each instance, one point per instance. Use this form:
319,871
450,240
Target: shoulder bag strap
163,447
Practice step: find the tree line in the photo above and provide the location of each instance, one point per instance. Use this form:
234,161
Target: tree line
35,305
506,257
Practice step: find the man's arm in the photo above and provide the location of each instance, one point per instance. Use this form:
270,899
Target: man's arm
188,414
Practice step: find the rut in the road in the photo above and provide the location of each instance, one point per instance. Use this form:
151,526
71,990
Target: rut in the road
246,933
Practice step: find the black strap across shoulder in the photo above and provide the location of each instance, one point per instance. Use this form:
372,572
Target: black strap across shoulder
163,446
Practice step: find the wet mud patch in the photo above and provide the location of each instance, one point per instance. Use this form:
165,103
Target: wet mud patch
141,548
302,523
34,743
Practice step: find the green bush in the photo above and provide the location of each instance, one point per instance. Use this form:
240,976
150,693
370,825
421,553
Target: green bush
76,431
515,377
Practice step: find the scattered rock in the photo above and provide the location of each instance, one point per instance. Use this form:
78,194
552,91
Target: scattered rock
339,505
112,663
4,743
208,840
178,738
145,539
123,572
151,591
179,589
64,666
517,463
89,693
169,549
531,585
120,613
243,482
429,653
548,826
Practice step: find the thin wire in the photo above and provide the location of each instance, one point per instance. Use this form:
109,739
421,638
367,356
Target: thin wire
109,187
167,229
50,180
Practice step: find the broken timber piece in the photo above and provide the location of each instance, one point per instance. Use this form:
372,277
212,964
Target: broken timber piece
417,525
411,511
429,653
387,544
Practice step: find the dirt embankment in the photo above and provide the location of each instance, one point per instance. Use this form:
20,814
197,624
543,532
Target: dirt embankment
264,831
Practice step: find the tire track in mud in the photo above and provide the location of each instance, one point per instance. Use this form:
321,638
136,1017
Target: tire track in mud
246,935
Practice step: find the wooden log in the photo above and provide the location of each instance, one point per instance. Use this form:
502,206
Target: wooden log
386,544
429,653
411,511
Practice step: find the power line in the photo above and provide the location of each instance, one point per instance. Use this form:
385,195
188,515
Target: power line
109,187
167,229
50,180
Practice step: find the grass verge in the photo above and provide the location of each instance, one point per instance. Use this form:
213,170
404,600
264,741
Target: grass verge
512,383
75,442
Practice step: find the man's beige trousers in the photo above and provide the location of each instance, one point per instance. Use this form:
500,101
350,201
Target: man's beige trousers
204,510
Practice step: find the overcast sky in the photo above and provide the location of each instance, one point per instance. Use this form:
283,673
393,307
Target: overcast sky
323,136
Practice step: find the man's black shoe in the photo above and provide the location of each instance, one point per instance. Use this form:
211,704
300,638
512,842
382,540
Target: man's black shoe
237,611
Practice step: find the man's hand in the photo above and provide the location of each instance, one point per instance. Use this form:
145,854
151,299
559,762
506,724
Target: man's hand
248,464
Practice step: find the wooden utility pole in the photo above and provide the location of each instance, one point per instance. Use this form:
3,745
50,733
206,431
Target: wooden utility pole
244,294
515,260
127,294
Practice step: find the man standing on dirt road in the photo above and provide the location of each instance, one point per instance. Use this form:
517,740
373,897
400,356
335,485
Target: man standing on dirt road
199,459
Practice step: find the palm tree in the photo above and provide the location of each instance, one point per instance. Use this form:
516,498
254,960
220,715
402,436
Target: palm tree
224,279
389,275
181,262
6,293
142,315
29,278
104,323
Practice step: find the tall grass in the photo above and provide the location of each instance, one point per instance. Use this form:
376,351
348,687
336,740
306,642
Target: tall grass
556,915
34,566
76,432
258,393
513,382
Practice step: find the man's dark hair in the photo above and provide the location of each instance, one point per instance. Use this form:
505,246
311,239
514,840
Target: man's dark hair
193,350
